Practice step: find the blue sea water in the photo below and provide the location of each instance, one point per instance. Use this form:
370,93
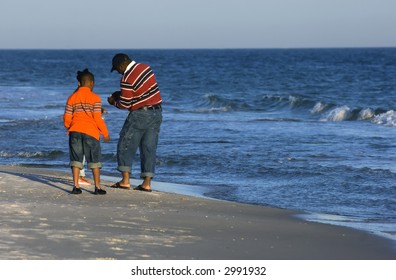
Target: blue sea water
303,129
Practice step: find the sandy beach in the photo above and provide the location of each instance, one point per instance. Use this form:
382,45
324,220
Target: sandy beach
41,220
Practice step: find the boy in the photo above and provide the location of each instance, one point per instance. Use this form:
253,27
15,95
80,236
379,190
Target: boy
83,120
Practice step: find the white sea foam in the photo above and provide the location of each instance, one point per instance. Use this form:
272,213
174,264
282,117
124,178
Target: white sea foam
5,154
318,108
388,118
293,100
26,154
296,101
338,114
366,114
4,121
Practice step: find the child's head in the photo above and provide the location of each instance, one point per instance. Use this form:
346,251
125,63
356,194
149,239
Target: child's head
85,79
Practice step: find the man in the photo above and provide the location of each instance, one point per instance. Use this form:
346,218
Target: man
84,122
141,96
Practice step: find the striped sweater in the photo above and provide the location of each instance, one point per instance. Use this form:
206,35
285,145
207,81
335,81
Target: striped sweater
83,113
138,88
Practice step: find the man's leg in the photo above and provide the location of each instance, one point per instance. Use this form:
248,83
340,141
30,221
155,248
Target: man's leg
126,148
146,183
148,149
125,178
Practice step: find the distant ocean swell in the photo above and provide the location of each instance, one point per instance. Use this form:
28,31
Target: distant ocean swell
319,110
299,107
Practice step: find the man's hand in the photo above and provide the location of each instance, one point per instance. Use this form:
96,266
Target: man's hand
114,97
111,100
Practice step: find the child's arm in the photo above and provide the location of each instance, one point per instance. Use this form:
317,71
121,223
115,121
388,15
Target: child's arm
68,115
100,121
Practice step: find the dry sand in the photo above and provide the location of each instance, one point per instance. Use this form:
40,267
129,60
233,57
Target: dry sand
40,219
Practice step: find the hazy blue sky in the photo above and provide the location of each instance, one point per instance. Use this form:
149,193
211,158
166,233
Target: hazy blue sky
197,23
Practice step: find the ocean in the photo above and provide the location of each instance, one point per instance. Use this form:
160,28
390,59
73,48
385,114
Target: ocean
311,130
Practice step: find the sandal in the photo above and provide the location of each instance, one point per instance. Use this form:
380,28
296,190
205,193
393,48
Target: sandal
140,188
118,186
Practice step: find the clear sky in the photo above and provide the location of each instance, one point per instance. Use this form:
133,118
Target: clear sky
119,24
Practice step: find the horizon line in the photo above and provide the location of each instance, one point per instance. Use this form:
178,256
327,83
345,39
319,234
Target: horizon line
200,48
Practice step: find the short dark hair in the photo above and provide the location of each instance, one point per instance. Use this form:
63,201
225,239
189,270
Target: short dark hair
85,76
119,59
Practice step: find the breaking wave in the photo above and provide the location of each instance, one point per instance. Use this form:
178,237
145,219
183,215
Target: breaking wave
37,154
292,107
345,113
388,118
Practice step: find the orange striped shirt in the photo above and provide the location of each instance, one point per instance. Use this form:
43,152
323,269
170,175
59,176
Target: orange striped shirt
83,113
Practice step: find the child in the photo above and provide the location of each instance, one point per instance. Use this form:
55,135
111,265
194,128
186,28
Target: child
82,180
83,120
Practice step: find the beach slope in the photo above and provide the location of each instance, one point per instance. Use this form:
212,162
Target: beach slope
40,219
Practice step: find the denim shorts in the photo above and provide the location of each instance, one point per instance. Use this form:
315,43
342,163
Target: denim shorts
81,145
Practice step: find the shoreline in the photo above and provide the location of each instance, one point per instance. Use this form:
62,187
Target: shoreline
324,218
42,220
203,192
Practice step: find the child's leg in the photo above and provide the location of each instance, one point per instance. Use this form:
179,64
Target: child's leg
96,177
93,157
76,176
76,158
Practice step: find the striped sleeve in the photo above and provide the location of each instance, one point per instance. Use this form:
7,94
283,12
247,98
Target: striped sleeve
68,115
97,108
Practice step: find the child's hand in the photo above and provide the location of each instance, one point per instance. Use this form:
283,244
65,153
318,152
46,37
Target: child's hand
106,139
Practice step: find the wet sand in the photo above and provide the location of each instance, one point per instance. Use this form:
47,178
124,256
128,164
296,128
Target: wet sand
41,220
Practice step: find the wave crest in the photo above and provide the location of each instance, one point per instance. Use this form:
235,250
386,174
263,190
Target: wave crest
345,113
338,114
300,105
388,118
319,107
38,154
366,114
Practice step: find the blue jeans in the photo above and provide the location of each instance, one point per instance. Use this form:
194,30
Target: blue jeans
140,130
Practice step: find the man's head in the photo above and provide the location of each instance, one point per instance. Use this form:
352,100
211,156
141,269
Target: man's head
85,78
120,62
